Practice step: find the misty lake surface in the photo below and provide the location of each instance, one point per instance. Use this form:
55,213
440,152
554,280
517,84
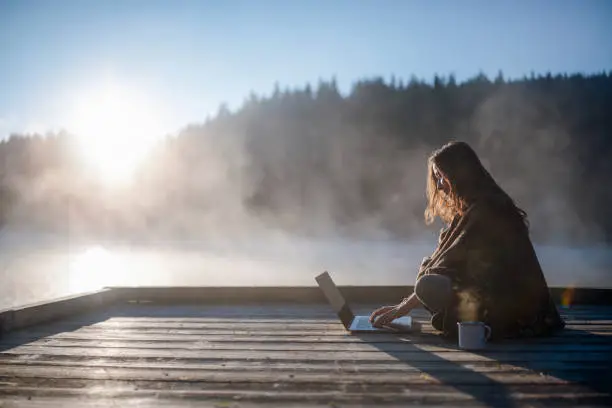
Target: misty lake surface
36,267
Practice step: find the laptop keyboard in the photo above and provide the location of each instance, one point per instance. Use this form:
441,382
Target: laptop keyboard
362,323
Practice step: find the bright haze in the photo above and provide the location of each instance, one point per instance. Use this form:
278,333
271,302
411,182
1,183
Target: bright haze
196,164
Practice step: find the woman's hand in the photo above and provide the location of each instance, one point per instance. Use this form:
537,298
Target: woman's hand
385,315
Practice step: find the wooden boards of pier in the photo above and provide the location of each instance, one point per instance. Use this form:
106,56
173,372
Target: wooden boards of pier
292,354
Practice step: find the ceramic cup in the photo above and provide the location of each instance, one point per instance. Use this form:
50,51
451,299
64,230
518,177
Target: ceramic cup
473,335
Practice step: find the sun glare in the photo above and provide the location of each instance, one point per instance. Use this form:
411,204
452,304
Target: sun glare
116,127
95,268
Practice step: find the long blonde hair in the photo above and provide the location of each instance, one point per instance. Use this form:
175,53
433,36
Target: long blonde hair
469,181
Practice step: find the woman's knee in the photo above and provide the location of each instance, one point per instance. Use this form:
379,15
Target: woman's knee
433,290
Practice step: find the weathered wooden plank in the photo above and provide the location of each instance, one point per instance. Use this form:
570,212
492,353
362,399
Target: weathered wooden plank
252,312
279,338
278,325
207,320
155,402
248,311
229,344
282,333
261,323
109,378
587,319
229,325
306,366
556,395
268,378
321,343
365,356
259,314
586,306
577,344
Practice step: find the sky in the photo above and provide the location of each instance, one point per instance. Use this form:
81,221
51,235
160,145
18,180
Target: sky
185,58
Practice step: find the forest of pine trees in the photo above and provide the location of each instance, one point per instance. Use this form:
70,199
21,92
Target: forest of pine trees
315,161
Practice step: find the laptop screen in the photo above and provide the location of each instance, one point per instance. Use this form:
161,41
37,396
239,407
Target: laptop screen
335,298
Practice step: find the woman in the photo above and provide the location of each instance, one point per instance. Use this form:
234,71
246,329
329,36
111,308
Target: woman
484,268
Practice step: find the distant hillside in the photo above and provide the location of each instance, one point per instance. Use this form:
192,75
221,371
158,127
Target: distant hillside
312,161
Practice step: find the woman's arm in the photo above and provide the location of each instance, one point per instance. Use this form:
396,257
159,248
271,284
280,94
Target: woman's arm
408,304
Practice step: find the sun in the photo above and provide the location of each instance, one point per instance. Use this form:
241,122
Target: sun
94,268
116,126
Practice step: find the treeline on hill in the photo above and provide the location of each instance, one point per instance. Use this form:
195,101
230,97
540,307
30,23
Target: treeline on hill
314,161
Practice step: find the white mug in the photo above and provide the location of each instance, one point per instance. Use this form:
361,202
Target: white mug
473,335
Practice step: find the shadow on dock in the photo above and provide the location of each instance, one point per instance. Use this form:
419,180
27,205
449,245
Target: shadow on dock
562,361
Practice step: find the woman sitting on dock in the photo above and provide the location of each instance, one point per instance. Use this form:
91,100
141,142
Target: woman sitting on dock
485,267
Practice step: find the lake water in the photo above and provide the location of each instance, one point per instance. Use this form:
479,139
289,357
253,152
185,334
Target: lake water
35,267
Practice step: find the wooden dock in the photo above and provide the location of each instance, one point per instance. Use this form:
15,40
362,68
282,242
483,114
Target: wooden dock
177,347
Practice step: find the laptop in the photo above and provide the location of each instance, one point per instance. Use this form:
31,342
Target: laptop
357,324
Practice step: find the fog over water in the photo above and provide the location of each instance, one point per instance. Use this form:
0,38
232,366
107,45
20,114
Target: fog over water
36,266
309,180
